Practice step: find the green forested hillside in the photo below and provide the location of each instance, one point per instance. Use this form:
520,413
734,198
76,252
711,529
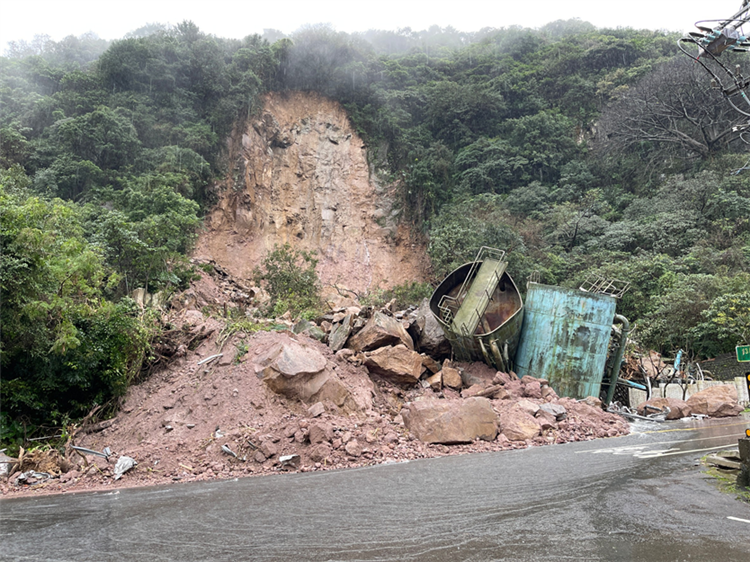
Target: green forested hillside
579,150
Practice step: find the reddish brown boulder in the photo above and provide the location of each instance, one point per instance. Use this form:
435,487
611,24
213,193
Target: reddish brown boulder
549,394
531,389
501,378
518,425
451,377
320,433
397,364
677,408
301,372
451,421
527,406
380,331
353,448
716,401
473,390
431,365
546,419
320,452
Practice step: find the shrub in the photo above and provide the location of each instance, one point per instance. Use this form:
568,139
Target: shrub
290,279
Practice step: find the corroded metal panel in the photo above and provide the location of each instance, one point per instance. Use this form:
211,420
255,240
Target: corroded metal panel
564,338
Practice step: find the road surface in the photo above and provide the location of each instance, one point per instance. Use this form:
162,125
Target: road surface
639,497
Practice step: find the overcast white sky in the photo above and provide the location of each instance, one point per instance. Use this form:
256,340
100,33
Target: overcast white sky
111,19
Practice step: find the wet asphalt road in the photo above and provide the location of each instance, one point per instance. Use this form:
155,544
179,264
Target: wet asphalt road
639,497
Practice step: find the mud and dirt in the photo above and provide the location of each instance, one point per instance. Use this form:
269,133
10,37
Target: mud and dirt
180,422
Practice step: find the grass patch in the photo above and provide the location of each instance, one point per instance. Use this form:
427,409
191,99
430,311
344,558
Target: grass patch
726,482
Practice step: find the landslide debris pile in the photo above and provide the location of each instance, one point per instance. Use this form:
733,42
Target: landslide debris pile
360,386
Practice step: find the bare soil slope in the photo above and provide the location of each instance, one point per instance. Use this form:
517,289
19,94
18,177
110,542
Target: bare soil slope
300,175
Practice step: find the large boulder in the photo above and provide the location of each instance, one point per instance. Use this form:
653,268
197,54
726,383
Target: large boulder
380,331
300,372
451,421
518,425
678,409
430,337
716,401
397,364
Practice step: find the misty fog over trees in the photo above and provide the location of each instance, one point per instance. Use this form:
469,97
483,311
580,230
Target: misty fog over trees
579,150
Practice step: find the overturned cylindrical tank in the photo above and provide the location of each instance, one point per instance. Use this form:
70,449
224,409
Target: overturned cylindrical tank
565,337
480,310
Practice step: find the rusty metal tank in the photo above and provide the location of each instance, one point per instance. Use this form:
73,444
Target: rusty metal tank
565,337
480,310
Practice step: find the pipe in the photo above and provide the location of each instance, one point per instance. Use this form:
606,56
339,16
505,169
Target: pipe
618,356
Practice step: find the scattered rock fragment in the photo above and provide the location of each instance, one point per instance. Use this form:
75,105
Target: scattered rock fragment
353,448
451,378
435,381
316,409
557,410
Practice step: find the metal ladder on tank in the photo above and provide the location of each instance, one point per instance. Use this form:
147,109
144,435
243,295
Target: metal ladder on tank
465,312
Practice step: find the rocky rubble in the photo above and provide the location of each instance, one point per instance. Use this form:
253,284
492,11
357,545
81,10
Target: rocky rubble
261,402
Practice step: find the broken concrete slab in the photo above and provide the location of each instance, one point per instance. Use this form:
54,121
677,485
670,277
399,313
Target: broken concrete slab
451,421
723,462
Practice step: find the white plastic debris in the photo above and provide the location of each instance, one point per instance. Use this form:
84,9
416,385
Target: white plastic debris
123,465
211,358
32,477
228,451
289,460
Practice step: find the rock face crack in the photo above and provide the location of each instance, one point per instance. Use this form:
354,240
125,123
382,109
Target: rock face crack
301,176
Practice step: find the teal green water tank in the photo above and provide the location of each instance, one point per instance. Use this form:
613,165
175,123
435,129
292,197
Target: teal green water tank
564,338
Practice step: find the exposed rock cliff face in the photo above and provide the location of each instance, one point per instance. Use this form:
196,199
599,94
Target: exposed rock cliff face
301,176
